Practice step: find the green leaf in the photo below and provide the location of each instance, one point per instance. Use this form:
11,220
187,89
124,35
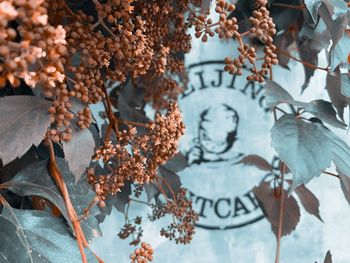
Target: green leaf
345,84
23,122
308,148
36,236
339,53
275,94
337,8
313,6
324,110
335,27
36,180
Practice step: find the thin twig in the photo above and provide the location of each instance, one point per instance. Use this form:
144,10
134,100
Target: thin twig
296,7
302,61
145,125
332,174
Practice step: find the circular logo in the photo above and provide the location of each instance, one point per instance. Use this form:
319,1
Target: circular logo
226,119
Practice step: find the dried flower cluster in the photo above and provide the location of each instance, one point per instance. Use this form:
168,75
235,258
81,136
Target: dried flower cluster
183,226
144,254
132,229
136,157
262,27
33,51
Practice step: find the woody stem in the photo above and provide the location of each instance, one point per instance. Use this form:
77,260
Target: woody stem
57,176
280,222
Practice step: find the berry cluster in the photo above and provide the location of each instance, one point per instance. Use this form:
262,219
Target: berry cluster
183,227
262,27
144,254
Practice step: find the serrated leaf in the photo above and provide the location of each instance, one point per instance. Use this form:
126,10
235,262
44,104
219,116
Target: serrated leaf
309,201
36,236
270,205
36,180
308,148
79,150
257,161
23,122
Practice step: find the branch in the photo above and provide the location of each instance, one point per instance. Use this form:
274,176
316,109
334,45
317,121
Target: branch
280,222
57,176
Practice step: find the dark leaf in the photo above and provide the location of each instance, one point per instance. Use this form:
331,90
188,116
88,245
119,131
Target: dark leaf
257,161
152,191
310,42
79,150
308,148
119,201
23,122
36,236
177,163
309,55
345,185
328,258
270,205
309,201
333,86
282,42
122,198
11,169
171,181
129,112
35,180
